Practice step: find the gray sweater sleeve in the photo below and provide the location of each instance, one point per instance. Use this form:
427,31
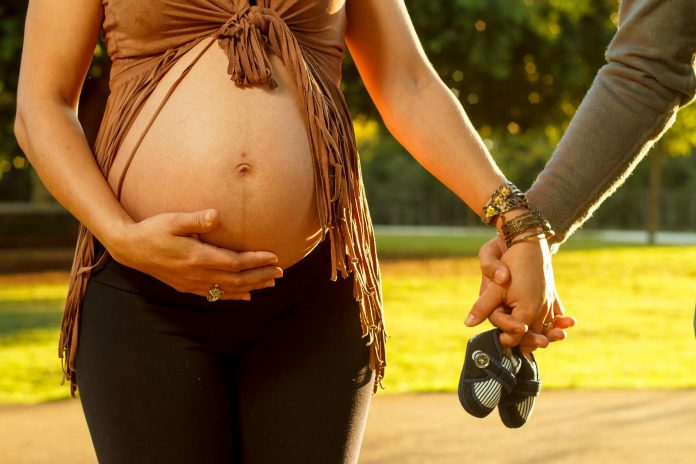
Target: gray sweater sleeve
650,74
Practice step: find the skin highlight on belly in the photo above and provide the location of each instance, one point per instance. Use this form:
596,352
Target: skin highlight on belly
242,151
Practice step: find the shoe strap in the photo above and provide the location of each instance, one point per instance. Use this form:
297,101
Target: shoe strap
527,388
497,371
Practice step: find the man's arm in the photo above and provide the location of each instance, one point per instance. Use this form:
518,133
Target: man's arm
633,100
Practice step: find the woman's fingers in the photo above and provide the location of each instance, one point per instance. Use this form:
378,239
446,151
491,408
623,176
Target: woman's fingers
506,322
491,298
534,339
509,340
528,339
251,279
512,329
535,336
564,322
531,315
555,335
491,265
556,332
232,283
228,260
526,349
232,291
236,273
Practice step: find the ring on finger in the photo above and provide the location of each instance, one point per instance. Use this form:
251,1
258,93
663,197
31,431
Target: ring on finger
215,293
549,324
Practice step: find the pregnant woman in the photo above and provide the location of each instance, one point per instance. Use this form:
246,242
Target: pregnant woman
225,291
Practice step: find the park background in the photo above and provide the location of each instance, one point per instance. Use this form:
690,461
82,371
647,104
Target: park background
520,68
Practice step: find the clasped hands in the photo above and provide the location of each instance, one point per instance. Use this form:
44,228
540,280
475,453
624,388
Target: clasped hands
518,295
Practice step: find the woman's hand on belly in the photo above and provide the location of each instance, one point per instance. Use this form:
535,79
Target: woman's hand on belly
166,246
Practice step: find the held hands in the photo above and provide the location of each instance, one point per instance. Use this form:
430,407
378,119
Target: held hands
519,296
167,247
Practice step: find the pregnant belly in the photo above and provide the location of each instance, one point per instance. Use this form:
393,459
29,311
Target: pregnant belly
242,151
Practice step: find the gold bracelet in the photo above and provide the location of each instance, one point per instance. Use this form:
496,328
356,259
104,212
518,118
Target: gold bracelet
531,219
523,222
538,235
506,198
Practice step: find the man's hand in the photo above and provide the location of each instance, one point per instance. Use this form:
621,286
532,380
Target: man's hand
518,308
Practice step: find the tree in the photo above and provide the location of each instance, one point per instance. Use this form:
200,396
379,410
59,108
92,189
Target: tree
14,174
17,181
679,140
525,62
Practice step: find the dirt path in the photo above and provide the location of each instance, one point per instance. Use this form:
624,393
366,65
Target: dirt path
567,427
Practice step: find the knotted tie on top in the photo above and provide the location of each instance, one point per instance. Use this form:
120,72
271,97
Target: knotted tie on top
244,38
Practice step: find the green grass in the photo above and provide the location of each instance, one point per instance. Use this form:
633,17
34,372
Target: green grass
398,245
29,327
634,305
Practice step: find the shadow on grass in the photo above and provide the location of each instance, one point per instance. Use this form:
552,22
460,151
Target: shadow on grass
17,316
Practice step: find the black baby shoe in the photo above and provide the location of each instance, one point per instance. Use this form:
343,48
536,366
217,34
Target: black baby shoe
488,374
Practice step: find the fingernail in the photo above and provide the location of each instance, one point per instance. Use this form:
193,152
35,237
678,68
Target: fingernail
500,276
470,320
209,217
279,273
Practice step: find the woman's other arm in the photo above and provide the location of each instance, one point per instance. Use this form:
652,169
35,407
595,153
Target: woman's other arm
425,117
418,109
59,41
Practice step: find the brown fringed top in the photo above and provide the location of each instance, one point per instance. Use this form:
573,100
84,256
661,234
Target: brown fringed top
144,40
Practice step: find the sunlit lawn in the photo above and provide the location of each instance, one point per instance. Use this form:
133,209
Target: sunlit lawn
634,305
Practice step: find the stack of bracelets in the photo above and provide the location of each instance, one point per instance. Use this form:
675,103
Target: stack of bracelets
530,224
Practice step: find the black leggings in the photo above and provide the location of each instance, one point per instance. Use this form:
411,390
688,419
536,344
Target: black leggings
168,377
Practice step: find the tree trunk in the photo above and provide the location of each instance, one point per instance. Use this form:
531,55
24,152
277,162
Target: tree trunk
657,158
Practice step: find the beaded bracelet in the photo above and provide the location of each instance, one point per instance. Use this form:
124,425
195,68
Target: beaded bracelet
506,198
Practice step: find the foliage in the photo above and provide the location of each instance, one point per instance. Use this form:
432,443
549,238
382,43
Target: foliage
14,168
680,139
11,32
527,62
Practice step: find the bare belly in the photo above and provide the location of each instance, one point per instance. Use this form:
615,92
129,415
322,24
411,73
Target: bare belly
242,151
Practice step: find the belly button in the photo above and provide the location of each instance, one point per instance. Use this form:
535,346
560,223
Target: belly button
244,169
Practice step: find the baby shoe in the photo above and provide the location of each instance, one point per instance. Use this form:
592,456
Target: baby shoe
516,406
488,374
